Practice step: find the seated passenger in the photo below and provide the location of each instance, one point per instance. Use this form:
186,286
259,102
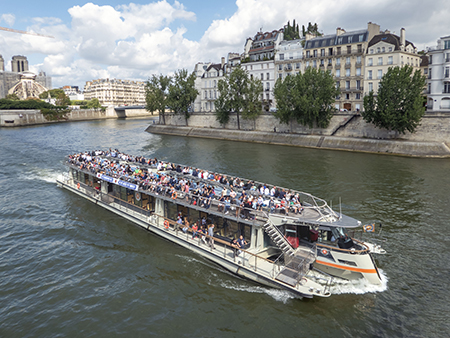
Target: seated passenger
241,242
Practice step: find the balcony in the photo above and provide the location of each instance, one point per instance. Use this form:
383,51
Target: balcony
352,89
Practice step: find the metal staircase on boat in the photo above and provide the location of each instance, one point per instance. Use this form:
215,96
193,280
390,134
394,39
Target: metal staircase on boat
276,235
297,262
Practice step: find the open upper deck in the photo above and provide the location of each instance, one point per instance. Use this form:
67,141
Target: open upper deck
253,200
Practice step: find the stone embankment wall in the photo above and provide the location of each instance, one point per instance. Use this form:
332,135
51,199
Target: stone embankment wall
17,118
346,132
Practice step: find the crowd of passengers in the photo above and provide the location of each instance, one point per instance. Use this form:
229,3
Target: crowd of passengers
234,195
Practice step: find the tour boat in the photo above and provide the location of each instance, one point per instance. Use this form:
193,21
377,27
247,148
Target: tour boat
298,244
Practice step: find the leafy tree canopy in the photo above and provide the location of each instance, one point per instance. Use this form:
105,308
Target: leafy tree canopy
306,97
240,94
182,93
156,95
398,104
12,97
291,32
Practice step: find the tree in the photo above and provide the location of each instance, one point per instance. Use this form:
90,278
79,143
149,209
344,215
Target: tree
61,98
398,104
93,103
156,95
306,97
12,97
240,94
182,93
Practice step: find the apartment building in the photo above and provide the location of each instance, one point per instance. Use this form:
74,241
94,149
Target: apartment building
289,58
343,54
115,92
438,87
387,50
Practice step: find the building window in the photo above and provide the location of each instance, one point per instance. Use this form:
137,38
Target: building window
390,60
347,72
329,62
321,62
338,61
429,73
358,59
347,96
380,61
281,56
447,44
380,74
359,47
330,51
430,60
280,76
349,49
338,84
383,49
297,65
361,37
390,49
280,67
370,87
358,84
347,60
446,87
370,63
369,75
267,76
338,73
358,96
446,72
322,52
358,71
371,50
307,54
347,84
378,49
338,50
314,63
315,53
262,76
307,64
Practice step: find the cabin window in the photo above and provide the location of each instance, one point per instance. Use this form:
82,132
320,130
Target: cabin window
171,210
148,202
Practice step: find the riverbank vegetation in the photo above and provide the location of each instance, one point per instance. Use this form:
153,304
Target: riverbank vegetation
177,94
238,93
399,103
307,98
50,112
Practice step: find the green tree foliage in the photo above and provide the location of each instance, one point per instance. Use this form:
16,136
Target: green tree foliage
182,93
50,111
399,103
93,103
12,97
61,98
239,94
306,97
291,32
156,95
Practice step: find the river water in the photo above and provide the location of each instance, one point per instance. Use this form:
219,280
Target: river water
70,268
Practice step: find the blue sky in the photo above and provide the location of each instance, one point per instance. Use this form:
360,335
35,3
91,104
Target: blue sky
133,40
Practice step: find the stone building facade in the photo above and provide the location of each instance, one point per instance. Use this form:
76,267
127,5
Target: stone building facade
23,81
343,54
438,87
289,58
114,92
384,51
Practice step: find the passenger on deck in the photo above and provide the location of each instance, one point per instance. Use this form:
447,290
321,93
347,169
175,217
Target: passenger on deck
194,230
241,242
211,235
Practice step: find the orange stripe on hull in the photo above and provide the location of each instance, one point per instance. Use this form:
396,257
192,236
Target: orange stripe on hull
347,267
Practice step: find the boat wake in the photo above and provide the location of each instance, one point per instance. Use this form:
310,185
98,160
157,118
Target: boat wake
278,295
238,283
358,286
46,175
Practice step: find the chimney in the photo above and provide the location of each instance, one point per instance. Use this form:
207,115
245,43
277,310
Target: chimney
402,38
340,31
373,30
222,61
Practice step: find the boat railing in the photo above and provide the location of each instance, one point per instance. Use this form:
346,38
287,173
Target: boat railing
352,250
301,263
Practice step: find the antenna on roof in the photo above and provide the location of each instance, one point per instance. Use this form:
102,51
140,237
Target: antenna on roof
261,29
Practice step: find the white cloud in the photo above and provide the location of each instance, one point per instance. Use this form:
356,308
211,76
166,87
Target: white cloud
8,18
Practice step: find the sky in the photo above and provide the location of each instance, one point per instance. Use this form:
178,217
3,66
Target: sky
133,40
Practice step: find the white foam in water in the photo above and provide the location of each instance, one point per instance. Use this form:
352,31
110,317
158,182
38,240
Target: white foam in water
46,175
358,286
278,295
